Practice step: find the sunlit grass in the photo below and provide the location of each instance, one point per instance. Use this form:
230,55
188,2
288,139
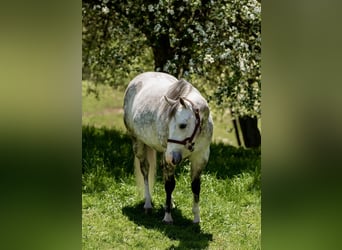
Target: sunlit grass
112,211
230,212
103,108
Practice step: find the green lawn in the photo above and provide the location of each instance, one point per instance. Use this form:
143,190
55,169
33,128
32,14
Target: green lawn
230,213
106,110
112,212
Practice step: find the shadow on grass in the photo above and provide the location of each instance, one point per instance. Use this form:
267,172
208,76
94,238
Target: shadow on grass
189,235
109,152
227,161
108,148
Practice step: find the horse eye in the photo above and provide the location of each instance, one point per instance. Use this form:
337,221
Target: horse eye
182,126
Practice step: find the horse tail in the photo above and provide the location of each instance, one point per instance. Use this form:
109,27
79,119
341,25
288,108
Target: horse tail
151,157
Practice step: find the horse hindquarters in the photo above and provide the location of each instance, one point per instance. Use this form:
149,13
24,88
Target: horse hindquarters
145,169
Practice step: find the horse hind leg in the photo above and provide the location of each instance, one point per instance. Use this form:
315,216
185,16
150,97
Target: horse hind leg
145,171
141,172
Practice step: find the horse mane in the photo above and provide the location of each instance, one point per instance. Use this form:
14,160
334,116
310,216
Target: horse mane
179,89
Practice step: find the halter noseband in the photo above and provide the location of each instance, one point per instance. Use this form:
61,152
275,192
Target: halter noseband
188,142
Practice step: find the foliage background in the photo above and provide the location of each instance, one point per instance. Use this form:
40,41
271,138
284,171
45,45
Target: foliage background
214,44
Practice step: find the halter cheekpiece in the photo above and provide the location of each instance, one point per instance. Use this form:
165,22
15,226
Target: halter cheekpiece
188,142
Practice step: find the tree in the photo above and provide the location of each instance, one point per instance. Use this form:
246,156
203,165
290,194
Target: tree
207,41
235,55
112,47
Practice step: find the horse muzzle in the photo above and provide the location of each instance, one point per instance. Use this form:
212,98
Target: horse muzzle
174,158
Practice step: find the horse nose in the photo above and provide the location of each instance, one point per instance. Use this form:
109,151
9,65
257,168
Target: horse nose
176,158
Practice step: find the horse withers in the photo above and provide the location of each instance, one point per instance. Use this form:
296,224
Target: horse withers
164,114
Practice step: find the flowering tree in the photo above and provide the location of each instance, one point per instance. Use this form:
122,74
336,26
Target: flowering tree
234,53
217,44
112,47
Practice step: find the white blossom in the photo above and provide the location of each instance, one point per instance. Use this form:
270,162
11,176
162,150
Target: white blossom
157,28
105,10
208,59
150,8
171,11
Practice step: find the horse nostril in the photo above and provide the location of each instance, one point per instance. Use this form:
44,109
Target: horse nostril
176,158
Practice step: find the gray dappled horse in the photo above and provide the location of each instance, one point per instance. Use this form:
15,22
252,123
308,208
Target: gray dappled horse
170,116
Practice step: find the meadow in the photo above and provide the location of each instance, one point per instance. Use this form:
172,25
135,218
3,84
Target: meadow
112,209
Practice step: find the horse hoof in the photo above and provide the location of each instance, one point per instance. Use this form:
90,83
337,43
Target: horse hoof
196,222
167,218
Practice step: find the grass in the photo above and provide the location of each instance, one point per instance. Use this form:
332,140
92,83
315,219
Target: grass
114,219
112,211
104,109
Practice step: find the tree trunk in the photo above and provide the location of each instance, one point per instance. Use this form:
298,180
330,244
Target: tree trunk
250,132
161,51
236,129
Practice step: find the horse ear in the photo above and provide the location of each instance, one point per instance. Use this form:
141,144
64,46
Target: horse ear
169,100
181,100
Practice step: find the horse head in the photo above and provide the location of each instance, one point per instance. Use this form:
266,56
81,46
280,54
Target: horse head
183,126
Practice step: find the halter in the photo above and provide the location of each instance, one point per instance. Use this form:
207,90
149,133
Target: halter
188,142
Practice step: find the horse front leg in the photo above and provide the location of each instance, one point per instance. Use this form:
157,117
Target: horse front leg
170,183
198,162
196,189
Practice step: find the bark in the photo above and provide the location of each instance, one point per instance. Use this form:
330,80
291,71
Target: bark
250,131
161,51
237,135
